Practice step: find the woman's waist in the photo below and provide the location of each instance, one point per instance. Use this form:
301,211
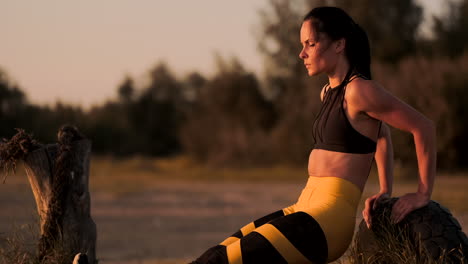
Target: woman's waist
352,167
331,159
332,190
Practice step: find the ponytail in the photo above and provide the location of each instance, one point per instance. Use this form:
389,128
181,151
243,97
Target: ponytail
358,51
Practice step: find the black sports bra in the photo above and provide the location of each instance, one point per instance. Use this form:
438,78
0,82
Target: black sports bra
332,129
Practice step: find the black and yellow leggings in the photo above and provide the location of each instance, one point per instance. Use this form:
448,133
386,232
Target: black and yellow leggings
316,229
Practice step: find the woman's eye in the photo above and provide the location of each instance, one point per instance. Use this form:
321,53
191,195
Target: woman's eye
311,44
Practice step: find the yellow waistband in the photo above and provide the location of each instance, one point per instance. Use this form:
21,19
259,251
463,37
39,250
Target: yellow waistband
336,187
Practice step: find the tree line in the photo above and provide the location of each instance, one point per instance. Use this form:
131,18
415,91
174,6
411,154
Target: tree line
236,117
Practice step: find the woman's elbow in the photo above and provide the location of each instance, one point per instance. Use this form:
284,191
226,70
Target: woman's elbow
430,126
426,128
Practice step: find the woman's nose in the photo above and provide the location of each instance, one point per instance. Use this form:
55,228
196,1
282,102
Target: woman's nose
302,54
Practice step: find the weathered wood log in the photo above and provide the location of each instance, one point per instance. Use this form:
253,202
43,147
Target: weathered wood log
59,175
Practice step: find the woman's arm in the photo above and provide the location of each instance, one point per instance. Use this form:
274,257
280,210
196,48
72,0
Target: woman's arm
372,99
384,161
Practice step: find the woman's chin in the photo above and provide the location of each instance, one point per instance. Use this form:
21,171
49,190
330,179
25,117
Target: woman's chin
312,73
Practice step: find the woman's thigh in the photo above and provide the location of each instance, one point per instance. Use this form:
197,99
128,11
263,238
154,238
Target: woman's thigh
293,238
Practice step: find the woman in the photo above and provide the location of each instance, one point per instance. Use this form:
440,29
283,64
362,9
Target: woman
349,131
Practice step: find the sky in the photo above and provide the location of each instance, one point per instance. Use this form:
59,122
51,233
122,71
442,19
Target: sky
78,52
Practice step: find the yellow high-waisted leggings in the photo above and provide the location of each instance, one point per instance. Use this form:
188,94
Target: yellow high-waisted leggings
318,228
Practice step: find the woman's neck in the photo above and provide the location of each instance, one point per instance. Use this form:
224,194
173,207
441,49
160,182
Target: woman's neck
336,77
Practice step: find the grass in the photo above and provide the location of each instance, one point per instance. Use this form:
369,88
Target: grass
397,246
18,247
137,173
394,249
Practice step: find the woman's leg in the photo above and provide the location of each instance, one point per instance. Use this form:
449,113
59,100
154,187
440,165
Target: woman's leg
293,238
218,254
251,227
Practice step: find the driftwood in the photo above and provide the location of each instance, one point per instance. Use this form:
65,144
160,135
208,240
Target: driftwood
58,175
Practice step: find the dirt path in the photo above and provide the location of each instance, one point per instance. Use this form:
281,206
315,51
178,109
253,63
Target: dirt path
170,221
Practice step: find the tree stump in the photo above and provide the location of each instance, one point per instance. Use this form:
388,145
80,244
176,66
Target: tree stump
58,175
431,231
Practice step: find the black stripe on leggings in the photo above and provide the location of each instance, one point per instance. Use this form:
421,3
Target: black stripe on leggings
237,234
303,231
214,255
268,218
261,221
257,249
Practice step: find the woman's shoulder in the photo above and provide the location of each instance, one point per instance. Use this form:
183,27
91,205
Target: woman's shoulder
359,87
361,91
323,91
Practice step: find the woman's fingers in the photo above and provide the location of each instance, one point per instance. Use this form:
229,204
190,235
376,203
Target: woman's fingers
367,218
402,208
401,214
366,213
371,204
397,210
379,198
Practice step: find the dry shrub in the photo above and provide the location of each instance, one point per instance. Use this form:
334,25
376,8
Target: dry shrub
16,248
20,247
14,150
230,120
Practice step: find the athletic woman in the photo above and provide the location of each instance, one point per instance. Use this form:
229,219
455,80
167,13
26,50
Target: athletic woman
349,132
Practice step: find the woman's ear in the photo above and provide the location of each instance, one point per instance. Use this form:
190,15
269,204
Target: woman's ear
340,45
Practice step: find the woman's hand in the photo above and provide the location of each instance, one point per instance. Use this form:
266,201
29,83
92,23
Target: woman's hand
370,205
406,204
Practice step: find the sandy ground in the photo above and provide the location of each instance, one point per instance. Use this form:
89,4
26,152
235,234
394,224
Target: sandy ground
170,221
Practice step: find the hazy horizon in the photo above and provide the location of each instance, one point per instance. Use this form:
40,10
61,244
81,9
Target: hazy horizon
79,52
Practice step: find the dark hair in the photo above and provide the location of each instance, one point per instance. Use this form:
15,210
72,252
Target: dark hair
337,24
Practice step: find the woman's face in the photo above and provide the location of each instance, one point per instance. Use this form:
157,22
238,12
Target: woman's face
317,50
